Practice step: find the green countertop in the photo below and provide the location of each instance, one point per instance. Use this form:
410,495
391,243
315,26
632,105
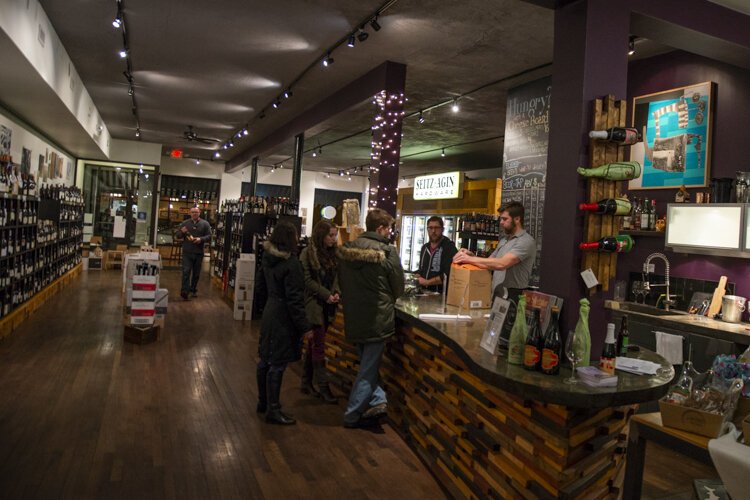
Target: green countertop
464,339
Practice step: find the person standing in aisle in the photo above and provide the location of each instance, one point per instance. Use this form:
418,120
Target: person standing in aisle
321,297
371,279
195,233
435,257
284,321
512,260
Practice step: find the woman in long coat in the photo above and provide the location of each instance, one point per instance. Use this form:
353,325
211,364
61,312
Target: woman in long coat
284,322
321,297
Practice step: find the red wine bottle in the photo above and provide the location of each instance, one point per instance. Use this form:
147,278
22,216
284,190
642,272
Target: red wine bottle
552,347
611,206
532,353
621,243
619,135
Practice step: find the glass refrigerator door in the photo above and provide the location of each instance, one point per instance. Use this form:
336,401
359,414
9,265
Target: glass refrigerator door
450,225
407,228
417,240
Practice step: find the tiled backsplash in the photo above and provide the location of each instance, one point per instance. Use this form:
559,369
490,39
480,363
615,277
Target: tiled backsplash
682,287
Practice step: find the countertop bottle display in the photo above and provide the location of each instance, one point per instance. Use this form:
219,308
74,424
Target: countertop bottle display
518,334
552,346
532,353
582,329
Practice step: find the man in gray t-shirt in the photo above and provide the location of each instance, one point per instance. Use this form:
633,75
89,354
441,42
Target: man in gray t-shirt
196,233
512,260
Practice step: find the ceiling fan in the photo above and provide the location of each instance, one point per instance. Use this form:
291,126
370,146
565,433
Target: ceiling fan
192,136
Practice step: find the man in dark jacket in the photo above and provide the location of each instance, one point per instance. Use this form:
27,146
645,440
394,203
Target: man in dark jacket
196,232
371,279
435,257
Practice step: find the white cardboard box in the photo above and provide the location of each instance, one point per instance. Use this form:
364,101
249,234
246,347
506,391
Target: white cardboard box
243,310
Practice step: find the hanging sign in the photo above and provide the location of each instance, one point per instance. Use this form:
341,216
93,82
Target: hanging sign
449,185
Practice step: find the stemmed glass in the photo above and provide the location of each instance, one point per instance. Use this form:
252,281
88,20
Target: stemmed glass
573,351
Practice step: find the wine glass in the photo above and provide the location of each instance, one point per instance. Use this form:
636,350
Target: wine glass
573,351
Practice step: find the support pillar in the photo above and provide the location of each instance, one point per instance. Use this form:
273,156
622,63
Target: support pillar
299,148
254,176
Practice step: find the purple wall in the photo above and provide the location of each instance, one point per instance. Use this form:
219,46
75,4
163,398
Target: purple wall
678,69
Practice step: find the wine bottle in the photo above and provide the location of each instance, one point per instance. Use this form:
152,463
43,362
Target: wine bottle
532,351
617,171
609,353
645,215
611,206
621,243
517,340
623,337
582,331
552,346
627,220
619,135
652,216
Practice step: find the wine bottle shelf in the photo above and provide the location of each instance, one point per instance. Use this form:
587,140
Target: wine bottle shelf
476,235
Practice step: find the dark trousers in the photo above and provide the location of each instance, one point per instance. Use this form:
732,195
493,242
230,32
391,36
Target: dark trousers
191,263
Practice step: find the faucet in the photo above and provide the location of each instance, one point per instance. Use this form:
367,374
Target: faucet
647,286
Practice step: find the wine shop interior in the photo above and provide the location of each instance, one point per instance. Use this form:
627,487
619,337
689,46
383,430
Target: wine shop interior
383,249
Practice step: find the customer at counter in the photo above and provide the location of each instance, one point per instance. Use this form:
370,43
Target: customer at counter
512,260
371,279
435,257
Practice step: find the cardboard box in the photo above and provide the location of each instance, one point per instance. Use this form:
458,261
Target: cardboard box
691,420
141,320
471,283
141,334
243,310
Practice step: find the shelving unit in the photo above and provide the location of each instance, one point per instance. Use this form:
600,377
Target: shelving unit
653,234
40,242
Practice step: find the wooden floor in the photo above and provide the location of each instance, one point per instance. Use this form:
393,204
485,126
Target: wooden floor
84,415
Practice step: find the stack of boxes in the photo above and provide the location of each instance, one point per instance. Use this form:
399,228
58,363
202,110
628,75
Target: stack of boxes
244,284
145,302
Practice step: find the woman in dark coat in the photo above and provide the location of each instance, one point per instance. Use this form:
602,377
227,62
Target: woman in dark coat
321,297
284,321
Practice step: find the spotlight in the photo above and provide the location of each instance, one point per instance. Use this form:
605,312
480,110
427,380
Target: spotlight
421,117
244,131
362,35
455,107
341,173
197,162
350,43
327,60
231,144
443,153
216,154
131,91
315,153
117,22
328,175
349,178
631,46
375,25
273,169
123,54
238,134
276,104
287,94
137,132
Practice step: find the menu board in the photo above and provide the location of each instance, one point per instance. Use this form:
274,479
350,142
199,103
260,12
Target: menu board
525,156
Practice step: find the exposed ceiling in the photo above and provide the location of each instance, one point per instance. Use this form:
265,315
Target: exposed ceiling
216,65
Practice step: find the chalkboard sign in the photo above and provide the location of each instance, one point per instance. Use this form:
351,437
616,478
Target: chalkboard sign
525,156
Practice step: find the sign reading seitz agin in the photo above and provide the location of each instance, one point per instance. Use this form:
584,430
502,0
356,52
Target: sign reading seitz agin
449,185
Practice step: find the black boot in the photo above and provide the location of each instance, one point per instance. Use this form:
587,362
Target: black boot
306,387
274,414
262,375
321,380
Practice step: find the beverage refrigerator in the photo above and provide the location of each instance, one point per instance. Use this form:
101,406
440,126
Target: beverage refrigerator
414,235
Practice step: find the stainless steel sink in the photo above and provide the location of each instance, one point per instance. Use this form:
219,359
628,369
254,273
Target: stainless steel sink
646,309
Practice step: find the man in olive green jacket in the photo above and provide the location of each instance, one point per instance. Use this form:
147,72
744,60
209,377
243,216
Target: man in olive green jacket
371,279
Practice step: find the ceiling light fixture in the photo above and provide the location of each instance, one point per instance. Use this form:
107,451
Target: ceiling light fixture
276,104
631,46
123,53
197,162
443,152
137,132
455,107
217,155
131,91
351,41
244,131
421,117
287,93
362,35
327,60
117,21
315,153
375,25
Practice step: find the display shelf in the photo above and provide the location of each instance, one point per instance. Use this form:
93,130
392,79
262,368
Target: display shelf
632,232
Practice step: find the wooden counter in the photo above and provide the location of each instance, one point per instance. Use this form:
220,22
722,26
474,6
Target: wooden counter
488,429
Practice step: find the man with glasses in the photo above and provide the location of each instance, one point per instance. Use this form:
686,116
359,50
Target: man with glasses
435,257
195,232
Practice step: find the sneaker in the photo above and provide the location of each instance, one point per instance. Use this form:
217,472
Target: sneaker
376,411
184,296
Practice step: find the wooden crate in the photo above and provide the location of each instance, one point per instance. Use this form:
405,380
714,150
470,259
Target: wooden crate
141,334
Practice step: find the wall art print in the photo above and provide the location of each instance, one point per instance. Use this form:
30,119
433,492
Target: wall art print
676,147
5,136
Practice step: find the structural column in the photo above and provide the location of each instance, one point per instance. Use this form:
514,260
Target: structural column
299,148
254,176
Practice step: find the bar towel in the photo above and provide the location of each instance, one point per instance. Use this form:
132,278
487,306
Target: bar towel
669,347
732,461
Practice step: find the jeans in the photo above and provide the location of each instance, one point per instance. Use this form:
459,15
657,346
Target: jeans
366,391
191,263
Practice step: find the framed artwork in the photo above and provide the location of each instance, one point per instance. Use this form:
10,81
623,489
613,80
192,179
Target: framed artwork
676,146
